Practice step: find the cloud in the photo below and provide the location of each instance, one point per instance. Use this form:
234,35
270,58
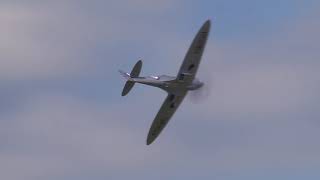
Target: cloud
58,40
261,88
57,135
30,47
272,74
259,113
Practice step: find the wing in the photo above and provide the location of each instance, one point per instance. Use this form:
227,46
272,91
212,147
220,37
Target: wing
168,108
192,59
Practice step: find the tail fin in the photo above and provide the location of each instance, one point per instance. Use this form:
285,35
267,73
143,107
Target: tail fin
130,82
125,75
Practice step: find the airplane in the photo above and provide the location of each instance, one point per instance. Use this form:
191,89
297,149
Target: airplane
176,87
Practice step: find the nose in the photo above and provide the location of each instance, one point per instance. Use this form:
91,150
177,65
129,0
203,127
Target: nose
196,86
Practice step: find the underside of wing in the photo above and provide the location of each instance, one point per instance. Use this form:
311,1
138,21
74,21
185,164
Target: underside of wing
192,59
166,111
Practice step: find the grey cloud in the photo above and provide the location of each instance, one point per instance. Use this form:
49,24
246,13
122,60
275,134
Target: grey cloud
57,135
261,98
25,52
55,39
278,73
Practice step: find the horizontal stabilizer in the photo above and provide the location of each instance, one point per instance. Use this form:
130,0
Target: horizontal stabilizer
127,87
130,81
136,69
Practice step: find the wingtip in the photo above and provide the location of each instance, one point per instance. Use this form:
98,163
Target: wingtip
140,62
208,22
148,143
124,93
150,140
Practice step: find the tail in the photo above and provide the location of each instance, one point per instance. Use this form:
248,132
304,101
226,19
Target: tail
130,82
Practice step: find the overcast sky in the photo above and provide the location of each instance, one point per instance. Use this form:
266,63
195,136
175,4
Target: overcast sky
62,115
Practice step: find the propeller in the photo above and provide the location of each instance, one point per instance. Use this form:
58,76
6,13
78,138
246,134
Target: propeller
203,93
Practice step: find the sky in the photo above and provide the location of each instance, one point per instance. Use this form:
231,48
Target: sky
62,115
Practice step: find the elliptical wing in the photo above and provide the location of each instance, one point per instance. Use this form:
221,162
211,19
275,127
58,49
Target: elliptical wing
168,108
192,59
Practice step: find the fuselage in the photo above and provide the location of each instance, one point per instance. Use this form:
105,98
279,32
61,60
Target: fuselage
169,83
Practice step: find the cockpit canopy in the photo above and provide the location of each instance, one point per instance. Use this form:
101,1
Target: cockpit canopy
162,77
155,77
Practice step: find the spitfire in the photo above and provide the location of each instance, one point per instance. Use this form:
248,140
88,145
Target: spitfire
176,87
